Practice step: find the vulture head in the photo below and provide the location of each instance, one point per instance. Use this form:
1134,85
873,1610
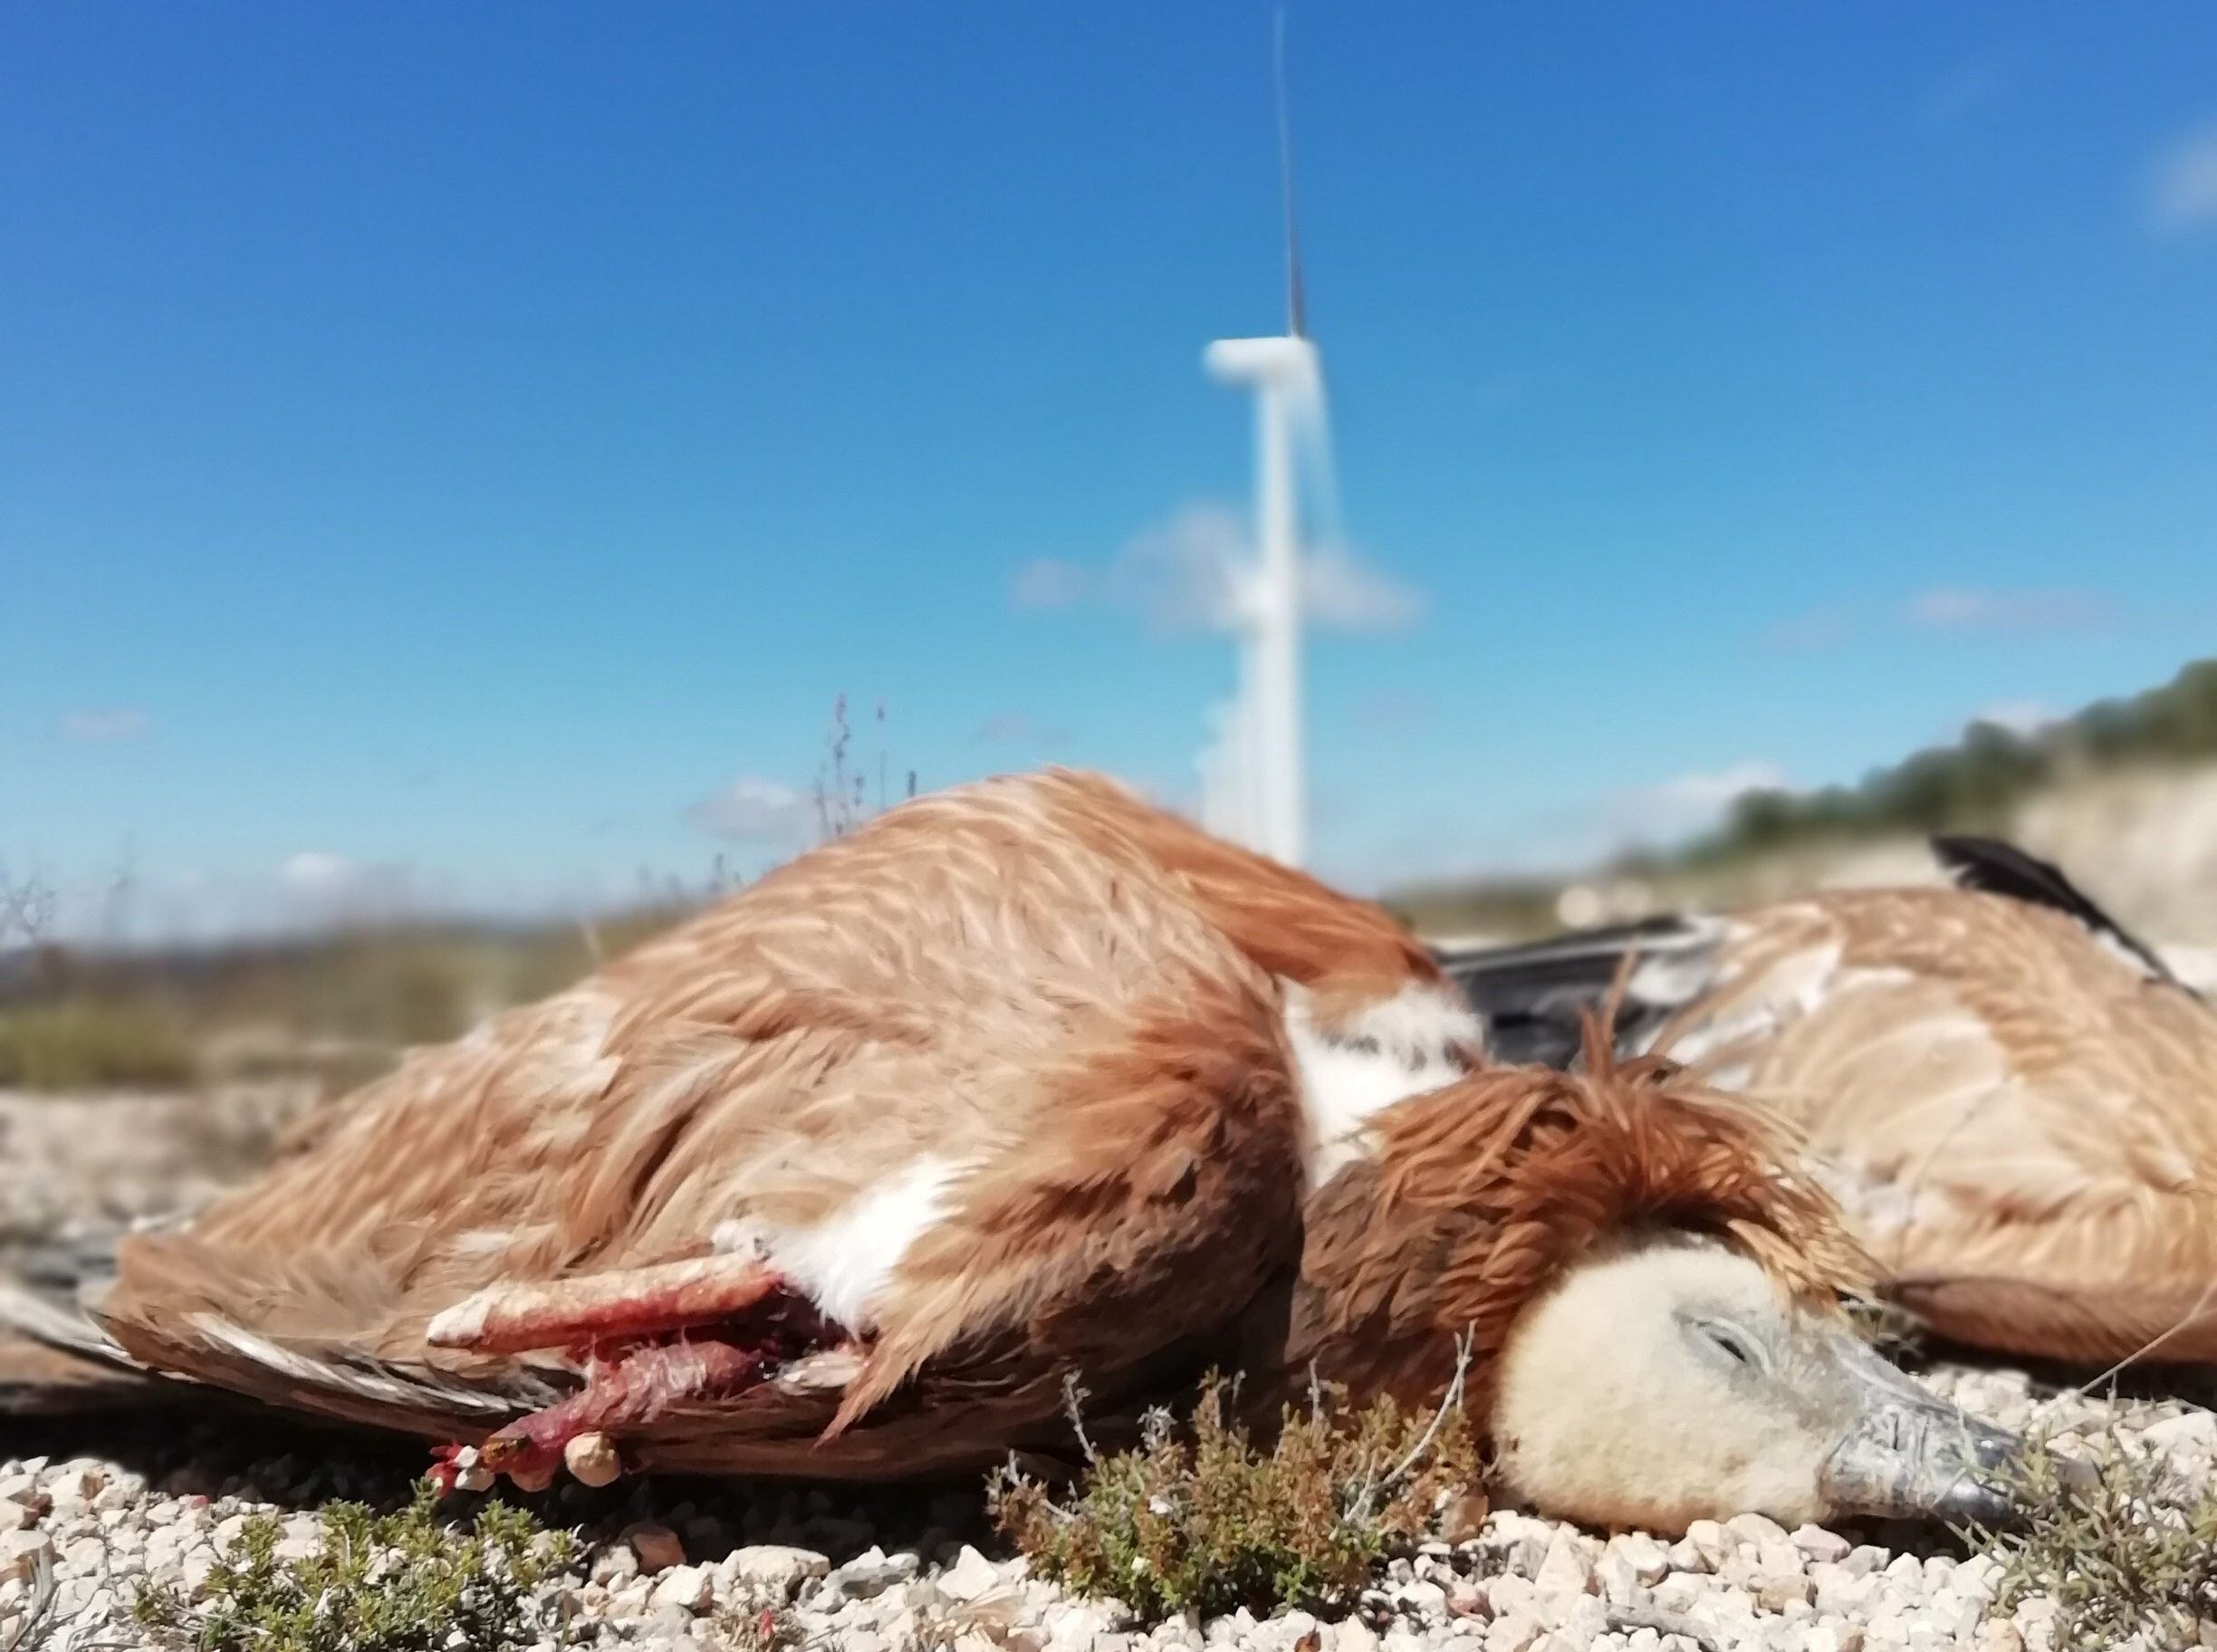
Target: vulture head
1648,1295
1670,1381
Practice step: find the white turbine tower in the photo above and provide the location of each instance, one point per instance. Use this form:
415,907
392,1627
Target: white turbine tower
1252,776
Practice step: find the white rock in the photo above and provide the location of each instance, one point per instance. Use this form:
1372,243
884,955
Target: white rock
779,1565
1584,1620
194,1569
1426,1599
1680,1590
1704,1547
1755,1529
971,1577
1354,1635
870,1574
1646,1558
690,1589
616,1563
1840,1595
2195,1429
1864,1559
1819,1543
1566,1570
1517,1632
1617,1577
1510,1593
1775,1591
21,1554
1906,1573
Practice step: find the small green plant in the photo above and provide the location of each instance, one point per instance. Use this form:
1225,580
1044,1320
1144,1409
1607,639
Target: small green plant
1201,1519
2121,1543
396,1582
761,1622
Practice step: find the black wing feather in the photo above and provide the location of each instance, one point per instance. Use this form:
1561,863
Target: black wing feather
1995,867
1533,996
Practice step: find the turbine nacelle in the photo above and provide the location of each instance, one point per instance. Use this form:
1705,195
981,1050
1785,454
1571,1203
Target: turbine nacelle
1283,362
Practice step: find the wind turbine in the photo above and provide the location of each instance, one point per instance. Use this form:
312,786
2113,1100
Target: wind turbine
1252,777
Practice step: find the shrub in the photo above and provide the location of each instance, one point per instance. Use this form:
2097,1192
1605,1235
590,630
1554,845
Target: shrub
760,1623
2119,1542
397,1583
1203,1519
84,1044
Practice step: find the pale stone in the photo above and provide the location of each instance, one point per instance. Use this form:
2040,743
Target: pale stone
21,1554
656,1546
2195,1428
776,1566
1354,1635
1566,1570
1617,1577
1517,1632
1755,1529
970,1577
616,1563
1778,1590
1819,1543
1650,1564
690,1589
1510,1593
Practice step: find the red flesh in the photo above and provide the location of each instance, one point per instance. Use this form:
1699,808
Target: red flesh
630,1379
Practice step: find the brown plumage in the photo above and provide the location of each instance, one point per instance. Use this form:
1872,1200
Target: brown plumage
2017,1111
1481,1195
847,1173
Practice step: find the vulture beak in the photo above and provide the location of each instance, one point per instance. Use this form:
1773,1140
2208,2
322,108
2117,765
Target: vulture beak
1908,1455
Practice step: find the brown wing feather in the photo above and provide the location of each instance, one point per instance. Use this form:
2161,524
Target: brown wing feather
1349,953
2022,1124
969,977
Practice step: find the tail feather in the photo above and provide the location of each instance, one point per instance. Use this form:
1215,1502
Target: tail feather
1995,867
1533,998
55,1356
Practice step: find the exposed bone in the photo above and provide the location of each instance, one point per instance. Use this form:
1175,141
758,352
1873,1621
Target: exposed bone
509,1319
625,1394
592,1458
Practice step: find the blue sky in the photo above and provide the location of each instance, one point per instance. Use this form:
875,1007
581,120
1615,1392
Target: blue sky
469,446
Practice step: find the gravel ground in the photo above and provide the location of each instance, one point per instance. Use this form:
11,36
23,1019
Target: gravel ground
104,1503
670,1562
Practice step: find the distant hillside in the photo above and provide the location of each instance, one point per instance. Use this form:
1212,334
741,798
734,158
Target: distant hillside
2123,794
1980,783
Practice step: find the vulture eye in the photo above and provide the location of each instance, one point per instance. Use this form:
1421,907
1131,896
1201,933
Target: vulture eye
1730,1341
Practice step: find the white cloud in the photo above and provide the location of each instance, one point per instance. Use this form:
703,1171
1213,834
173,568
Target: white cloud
1974,608
1184,573
316,873
105,725
2019,716
1045,583
321,886
2181,189
1710,791
754,810
1341,593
